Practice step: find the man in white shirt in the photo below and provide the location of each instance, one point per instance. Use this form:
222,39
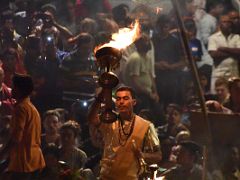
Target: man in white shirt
224,48
206,26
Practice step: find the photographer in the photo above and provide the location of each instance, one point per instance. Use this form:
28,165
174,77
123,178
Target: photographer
48,95
46,22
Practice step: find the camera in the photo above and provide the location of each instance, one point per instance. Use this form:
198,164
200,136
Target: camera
49,39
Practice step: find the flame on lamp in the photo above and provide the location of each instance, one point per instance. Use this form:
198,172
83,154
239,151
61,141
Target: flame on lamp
123,38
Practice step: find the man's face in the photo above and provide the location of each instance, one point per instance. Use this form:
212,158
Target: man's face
191,7
51,124
164,30
235,17
221,91
184,157
124,102
225,24
174,117
219,9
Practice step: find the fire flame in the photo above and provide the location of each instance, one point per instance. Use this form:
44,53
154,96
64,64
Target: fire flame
123,38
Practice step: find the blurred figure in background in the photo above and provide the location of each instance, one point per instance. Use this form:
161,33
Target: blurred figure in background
222,91
139,74
168,63
206,26
90,8
121,15
26,159
235,17
224,47
51,123
229,168
6,101
234,100
189,153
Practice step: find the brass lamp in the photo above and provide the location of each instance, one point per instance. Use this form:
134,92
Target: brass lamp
108,58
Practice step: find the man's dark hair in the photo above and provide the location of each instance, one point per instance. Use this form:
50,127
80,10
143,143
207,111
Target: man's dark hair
24,83
51,113
233,82
162,20
176,107
119,12
212,4
72,125
127,88
221,81
193,148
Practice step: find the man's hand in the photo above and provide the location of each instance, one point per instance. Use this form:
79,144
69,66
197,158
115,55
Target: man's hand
162,65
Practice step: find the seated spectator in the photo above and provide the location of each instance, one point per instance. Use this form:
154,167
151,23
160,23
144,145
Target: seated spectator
168,132
53,168
222,92
51,123
234,100
69,153
63,115
180,137
174,125
187,167
74,157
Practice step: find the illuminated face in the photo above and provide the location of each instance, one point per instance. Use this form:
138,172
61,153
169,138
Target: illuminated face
51,124
222,92
174,117
124,102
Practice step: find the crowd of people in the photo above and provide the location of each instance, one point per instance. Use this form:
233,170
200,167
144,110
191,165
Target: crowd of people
51,103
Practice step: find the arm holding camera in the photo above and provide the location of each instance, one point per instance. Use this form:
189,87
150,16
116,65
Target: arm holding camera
65,32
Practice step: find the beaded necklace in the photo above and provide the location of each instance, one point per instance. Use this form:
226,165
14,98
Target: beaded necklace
125,134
